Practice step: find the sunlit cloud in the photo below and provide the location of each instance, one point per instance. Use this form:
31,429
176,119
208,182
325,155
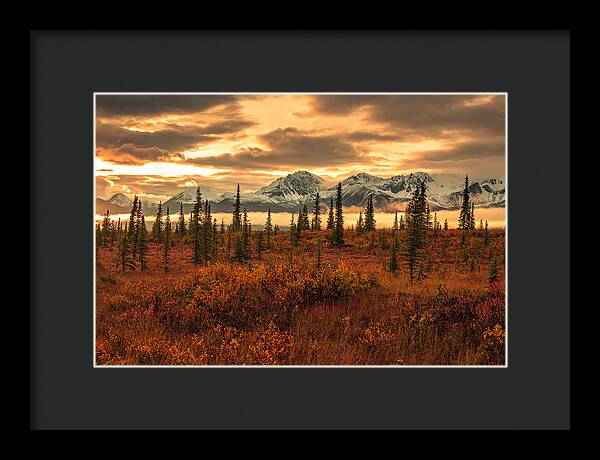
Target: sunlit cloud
154,145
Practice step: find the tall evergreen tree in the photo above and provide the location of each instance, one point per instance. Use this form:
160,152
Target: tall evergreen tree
359,224
222,232
428,222
330,217
395,226
316,219
305,220
293,232
402,225
393,265
464,219
142,235
207,233
416,227
486,235
246,229
157,227
106,229
214,240
237,217
196,230
180,228
268,227
446,224
472,217
166,241
369,224
338,231
132,234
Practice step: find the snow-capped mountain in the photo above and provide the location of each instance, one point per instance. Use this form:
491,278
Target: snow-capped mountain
291,192
293,188
188,198
486,193
119,199
120,203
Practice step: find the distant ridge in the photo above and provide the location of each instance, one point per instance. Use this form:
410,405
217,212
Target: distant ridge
291,192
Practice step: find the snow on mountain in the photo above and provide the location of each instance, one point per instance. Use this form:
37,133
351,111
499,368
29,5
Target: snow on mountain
292,191
119,199
293,188
485,193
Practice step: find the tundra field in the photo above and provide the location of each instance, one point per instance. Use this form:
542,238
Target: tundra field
298,299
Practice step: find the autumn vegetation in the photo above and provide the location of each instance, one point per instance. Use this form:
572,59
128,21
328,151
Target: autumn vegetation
194,291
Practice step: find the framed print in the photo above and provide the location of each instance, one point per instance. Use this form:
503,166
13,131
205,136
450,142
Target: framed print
300,230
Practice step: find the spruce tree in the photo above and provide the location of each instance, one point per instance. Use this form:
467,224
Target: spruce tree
369,224
464,219
166,241
428,222
338,231
293,232
486,235
305,219
142,233
416,226
316,219
402,225
180,228
246,229
330,217
237,218
214,239
106,229
359,224
157,227
196,230
393,265
472,217
395,226
268,227
132,234
222,232
207,233
446,224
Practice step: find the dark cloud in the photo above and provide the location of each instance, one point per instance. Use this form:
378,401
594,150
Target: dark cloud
286,147
369,136
150,105
164,143
427,114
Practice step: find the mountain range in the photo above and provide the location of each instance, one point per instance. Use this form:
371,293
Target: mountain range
290,193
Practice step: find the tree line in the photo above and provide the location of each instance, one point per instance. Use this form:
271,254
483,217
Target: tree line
416,225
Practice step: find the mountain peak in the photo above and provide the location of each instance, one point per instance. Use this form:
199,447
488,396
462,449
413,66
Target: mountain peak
119,199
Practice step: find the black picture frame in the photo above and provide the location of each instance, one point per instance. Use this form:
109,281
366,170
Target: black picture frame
67,392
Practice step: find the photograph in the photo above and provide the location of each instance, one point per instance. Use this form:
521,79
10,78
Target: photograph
300,229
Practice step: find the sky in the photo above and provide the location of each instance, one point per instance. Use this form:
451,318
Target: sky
156,145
